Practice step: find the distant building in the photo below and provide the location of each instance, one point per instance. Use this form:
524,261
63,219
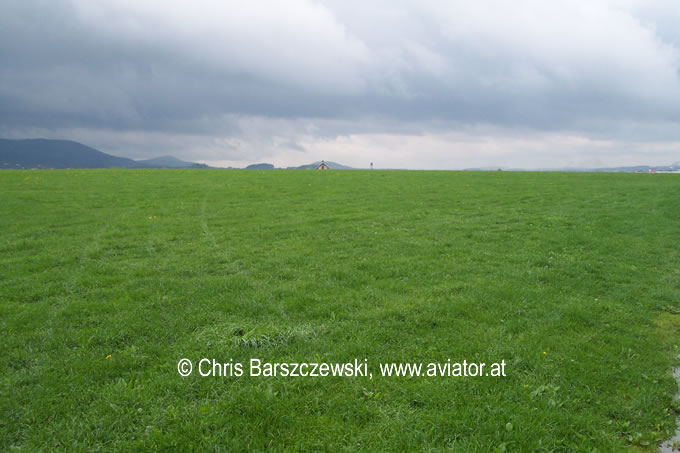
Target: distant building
322,166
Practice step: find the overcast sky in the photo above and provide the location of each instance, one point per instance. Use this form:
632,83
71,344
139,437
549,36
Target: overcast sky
403,84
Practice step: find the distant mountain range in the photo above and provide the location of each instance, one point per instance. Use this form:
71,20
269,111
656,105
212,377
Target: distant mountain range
635,169
43,153
313,165
331,165
260,167
167,162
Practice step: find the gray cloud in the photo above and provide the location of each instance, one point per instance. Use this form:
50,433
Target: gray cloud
240,81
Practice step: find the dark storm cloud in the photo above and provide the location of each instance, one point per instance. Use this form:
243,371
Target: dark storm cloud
199,68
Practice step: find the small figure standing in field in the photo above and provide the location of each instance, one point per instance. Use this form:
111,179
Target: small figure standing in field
371,165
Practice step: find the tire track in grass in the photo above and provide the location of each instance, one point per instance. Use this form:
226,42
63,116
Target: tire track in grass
204,221
220,253
93,245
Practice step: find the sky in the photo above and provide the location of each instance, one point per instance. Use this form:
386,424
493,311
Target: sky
428,84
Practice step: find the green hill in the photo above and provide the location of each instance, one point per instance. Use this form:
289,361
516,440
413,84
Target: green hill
164,162
260,167
43,153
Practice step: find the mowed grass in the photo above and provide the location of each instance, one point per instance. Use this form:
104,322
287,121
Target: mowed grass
572,279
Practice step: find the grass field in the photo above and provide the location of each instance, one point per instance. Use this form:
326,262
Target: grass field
109,277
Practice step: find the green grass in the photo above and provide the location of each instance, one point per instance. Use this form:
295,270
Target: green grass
572,279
